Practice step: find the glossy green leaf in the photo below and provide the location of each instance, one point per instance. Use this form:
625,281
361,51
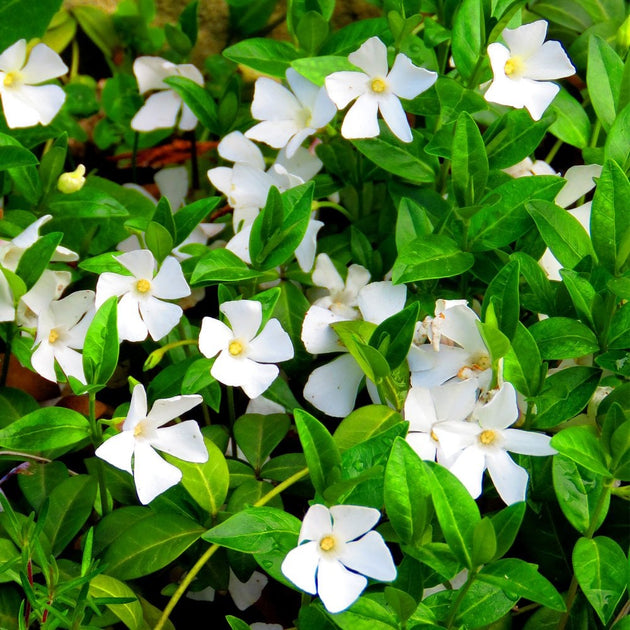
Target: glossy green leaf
23,20
257,435
581,444
503,290
35,259
264,55
572,124
364,423
469,36
506,524
221,265
563,338
101,346
603,78
394,335
522,365
130,613
469,165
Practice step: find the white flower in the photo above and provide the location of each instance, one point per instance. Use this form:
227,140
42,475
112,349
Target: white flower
61,330
289,118
522,71
484,443
335,551
527,167
7,309
244,594
377,90
162,108
50,286
246,358
144,432
25,103
141,310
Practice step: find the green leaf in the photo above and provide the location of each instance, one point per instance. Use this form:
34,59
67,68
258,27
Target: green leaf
221,265
354,336
256,530
563,338
367,614
603,79
582,292
579,491
364,423
601,569
394,335
522,365
406,493
198,99
617,147
506,524
150,544
44,429
236,624
89,203
264,55
394,156
469,36
206,483
503,217
412,222
41,480
12,156
188,218
257,435
564,395
35,259
130,613
503,291
610,217
581,444
518,577
484,542
429,257
562,232
350,37
312,30
23,20
25,178
101,347
572,124
469,162
321,452
484,604
456,511
316,69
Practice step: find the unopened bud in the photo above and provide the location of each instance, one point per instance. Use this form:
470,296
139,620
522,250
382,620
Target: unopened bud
72,182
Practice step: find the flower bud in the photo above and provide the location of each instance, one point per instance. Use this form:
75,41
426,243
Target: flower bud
72,182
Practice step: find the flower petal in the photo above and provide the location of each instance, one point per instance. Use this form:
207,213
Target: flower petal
173,184
317,335
326,275
468,468
244,594
272,345
371,57
344,87
141,263
159,112
407,80
152,474
337,587
420,409
305,91
183,440
137,408
305,251
300,566
352,521
169,283
43,64
501,411
71,362
214,336
360,120
245,317
131,327
579,182
395,117
151,71
253,377
187,121
525,40
29,105
13,57
272,101
549,62
118,450
275,133
236,148
423,444
43,361
380,300
159,317
166,409
317,523
508,478
370,556
527,442
110,284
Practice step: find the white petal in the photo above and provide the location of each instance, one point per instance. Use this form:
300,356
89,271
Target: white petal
443,364
166,409
13,57
548,63
296,141
326,275
420,410
317,523
190,71
183,440
300,566
332,388
159,317
406,80
455,436
275,133
169,283
302,164
508,478
159,112
43,64
371,557
245,317
221,178
323,110
460,325
110,284
272,345
50,286
352,521
371,57
423,444
236,148
28,105
118,450
395,117
357,278
43,361
337,587
317,335
141,263
244,594
187,121
501,411
239,244
71,362
380,300
305,251
272,101
526,39
455,401
213,337
253,377
360,120
527,442
343,87
306,91
131,327
579,182
151,71
539,96
173,184
137,408
551,265
468,468
152,474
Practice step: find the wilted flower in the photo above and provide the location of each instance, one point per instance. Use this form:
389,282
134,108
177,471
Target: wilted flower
522,71
335,551
142,433
377,90
25,103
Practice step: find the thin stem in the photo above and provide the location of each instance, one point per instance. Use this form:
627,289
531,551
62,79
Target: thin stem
554,149
457,603
97,438
595,135
192,574
331,204
74,64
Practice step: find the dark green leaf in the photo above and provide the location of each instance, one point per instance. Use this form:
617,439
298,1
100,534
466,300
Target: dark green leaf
469,162
265,55
563,338
101,347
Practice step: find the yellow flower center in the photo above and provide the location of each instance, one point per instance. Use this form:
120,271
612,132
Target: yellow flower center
53,335
513,65
235,348
487,437
327,543
378,86
140,428
479,363
143,286
434,437
12,78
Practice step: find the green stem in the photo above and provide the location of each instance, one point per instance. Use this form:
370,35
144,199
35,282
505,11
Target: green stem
97,438
595,135
554,149
192,574
458,602
331,204
74,64
573,587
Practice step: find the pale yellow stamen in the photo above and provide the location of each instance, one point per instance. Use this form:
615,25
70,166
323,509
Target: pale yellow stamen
434,437
378,86
487,437
140,428
53,335
327,543
11,78
143,286
235,348
513,66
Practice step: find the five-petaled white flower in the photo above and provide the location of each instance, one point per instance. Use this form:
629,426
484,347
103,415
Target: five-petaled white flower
288,118
25,103
61,330
484,442
144,432
522,71
246,357
336,551
162,108
377,90
141,310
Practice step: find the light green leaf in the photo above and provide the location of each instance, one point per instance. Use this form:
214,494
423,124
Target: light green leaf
130,613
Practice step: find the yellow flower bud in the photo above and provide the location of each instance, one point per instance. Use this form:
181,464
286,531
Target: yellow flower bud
71,182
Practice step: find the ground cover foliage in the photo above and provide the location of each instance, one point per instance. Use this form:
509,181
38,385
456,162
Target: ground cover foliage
329,331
